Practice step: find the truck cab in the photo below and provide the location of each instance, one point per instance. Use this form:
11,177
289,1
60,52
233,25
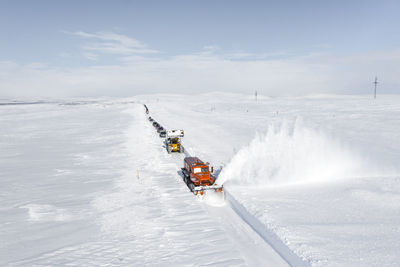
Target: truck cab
198,176
199,172
201,175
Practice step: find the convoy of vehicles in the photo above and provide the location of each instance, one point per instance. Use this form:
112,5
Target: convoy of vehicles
197,175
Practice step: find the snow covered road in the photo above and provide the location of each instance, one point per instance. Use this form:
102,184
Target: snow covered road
254,250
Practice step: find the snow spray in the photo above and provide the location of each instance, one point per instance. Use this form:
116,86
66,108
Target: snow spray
291,155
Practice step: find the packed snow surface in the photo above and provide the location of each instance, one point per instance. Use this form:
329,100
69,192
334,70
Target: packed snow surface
308,181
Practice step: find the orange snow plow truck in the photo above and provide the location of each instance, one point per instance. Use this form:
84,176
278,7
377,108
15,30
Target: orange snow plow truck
198,177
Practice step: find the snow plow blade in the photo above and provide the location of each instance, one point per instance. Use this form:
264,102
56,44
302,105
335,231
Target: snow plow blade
202,189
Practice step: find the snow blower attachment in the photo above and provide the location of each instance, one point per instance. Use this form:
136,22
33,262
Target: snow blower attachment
173,141
198,177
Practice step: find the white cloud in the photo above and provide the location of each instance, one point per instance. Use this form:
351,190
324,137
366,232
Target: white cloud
64,55
91,56
210,49
262,56
108,36
112,43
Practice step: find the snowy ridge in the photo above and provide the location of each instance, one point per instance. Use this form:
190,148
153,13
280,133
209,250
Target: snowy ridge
269,236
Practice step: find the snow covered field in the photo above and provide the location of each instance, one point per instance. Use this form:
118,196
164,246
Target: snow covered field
88,182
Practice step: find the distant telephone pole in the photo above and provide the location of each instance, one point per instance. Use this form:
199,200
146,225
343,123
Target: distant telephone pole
375,83
256,95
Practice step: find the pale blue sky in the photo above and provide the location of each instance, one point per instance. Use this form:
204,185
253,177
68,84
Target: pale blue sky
61,36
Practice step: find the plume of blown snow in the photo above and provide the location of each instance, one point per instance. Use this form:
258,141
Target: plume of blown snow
292,155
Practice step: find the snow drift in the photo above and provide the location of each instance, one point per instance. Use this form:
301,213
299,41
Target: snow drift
293,154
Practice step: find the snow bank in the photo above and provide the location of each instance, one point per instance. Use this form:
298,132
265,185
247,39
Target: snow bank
293,154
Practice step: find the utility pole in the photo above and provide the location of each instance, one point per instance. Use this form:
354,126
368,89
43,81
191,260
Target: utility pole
256,95
376,83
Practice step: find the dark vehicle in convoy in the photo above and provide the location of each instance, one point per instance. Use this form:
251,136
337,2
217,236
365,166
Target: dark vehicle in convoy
163,133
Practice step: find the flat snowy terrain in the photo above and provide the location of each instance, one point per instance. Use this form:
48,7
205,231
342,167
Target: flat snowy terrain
308,181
